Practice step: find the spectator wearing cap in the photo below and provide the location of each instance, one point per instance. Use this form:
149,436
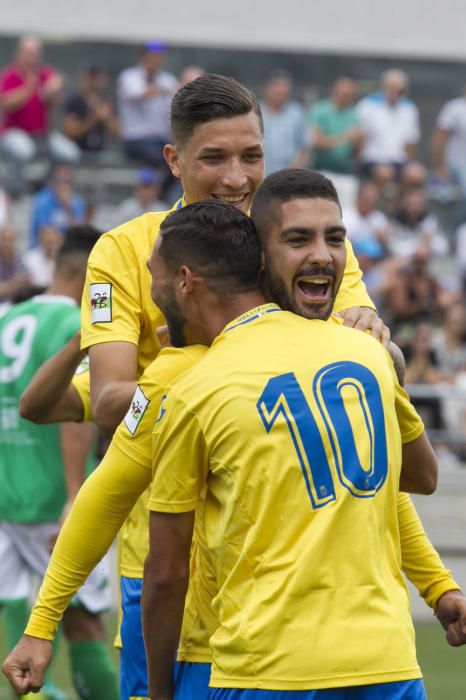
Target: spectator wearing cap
146,197
389,122
29,90
286,136
144,98
57,205
89,116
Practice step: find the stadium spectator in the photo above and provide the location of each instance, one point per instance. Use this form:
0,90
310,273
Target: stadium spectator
390,125
414,224
40,261
415,295
449,142
144,97
29,90
13,273
287,141
449,342
57,204
5,209
461,253
146,197
89,116
190,73
336,135
365,222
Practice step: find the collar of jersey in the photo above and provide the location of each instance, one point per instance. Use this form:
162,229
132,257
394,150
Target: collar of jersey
179,204
251,315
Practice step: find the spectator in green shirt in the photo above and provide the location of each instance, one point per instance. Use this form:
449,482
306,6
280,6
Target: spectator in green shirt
334,127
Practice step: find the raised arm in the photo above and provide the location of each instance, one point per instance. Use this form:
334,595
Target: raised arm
50,396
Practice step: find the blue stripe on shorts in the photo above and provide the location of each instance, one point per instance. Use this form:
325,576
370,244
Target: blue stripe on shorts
401,690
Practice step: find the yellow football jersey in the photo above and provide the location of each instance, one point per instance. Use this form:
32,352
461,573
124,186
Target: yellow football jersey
81,382
117,306
133,438
300,447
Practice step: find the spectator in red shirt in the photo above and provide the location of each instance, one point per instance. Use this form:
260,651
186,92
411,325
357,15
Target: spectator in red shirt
29,90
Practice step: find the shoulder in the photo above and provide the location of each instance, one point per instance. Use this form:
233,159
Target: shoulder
135,237
166,78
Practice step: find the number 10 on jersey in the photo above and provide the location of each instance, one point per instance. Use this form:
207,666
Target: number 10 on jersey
335,387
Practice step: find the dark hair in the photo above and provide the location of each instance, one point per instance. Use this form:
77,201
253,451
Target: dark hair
74,251
206,98
285,185
216,240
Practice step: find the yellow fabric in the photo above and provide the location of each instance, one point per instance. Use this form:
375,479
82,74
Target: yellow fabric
102,505
105,500
81,383
293,576
119,259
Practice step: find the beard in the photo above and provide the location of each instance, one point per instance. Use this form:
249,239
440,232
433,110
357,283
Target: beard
176,322
276,290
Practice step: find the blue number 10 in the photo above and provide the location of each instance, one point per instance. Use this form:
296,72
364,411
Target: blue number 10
284,397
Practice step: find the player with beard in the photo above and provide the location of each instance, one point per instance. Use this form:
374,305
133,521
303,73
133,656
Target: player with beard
129,451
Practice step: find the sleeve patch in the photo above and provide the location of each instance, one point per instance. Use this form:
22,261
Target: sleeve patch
139,404
101,302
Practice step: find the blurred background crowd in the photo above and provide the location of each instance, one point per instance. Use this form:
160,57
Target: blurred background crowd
88,147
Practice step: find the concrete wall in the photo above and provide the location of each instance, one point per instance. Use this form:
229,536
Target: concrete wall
411,28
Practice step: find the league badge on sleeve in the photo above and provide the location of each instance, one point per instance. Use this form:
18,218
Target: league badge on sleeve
139,404
101,302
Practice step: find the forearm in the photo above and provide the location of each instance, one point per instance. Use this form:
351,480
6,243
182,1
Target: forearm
100,509
112,404
420,561
438,148
419,471
162,616
15,99
76,443
50,384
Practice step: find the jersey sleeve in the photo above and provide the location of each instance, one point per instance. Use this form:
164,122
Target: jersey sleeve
134,434
111,308
179,458
420,561
100,509
81,382
352,290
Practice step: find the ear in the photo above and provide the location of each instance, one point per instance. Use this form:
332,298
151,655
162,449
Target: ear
186,281
262,261
171,155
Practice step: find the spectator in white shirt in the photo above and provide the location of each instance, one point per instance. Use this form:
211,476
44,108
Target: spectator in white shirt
364,222
146,197
40,261
449,142
390,126
144,99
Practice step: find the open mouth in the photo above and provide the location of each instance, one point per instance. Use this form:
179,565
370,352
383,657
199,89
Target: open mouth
236,200
315,289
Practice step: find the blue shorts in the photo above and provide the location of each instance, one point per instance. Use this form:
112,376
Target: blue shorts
133,665
191,681
402,690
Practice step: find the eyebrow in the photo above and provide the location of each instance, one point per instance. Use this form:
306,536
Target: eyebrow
207,150
308,231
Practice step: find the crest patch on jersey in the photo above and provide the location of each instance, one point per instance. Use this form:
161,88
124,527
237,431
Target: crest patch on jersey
139,404
101,303
162,409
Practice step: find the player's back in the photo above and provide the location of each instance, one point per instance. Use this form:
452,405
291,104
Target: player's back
31,471
304,450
